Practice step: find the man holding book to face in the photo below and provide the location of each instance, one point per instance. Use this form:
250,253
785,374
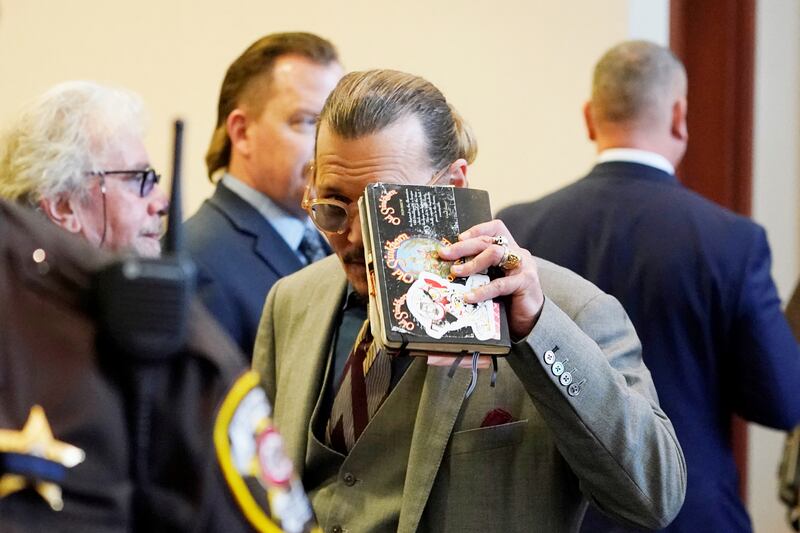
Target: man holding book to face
525,455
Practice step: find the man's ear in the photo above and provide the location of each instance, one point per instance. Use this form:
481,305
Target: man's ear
61,211
458,173
587,118
236,124
678,126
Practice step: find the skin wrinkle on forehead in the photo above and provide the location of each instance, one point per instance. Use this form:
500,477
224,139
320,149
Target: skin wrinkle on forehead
344,164
394,154
393,169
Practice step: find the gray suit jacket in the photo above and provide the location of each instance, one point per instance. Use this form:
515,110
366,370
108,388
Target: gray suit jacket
609,443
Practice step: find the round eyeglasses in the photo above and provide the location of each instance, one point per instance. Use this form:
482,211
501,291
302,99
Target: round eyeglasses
333,216
328,214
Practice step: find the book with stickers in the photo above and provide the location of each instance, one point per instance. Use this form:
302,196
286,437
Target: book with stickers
416,304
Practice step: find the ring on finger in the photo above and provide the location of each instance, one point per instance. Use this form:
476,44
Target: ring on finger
510,260
500,239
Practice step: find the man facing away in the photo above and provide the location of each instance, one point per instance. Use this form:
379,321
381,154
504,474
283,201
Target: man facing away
252,231
76,154
694,277
573,416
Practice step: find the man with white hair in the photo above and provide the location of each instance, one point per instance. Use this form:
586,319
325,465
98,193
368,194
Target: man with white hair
76,154
694,278
95,436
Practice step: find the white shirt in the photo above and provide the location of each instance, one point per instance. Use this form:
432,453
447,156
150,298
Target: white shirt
289,227
633,155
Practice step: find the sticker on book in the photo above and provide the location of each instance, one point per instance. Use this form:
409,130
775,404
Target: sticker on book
408,257
439,306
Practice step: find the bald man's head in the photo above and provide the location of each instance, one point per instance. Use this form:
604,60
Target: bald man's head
639,99
636,81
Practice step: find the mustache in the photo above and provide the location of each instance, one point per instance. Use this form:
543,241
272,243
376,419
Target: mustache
159,230
356,255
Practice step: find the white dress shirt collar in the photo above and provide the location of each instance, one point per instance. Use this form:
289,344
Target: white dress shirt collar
633,155
289,227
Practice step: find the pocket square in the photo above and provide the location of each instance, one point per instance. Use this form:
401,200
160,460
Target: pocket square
495,417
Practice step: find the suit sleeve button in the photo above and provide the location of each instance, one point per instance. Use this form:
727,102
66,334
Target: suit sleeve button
566,378
337,529
558,368
549,357
349,479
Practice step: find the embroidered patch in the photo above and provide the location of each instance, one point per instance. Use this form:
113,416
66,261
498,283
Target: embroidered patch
254,463
32,457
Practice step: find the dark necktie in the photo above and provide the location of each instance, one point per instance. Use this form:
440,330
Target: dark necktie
363,387
311,246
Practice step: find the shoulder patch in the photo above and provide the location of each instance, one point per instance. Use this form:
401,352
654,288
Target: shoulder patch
254,464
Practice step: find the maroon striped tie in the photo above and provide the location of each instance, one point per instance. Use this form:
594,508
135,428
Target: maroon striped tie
362,389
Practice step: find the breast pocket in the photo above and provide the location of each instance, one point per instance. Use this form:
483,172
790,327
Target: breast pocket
482,471
488,438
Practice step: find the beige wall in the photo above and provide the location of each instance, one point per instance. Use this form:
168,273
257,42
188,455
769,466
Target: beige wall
518,70
776,195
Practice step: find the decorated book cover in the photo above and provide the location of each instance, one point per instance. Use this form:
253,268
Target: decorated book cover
418,303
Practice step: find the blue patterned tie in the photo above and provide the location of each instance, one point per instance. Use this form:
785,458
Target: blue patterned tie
311,247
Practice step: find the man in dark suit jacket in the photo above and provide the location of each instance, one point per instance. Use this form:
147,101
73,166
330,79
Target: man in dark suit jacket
694,277
252,231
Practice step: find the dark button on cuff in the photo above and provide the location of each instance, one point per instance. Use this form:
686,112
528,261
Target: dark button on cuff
575,388
337,529
349,479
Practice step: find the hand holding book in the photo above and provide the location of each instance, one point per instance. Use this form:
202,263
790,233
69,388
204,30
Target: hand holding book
521,285
418,306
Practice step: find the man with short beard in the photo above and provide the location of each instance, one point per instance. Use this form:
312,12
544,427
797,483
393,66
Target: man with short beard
392,443
76,154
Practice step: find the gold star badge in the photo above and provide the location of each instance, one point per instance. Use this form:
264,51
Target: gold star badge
34,457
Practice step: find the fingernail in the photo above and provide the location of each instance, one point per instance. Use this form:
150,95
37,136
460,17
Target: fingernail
457,269
464,236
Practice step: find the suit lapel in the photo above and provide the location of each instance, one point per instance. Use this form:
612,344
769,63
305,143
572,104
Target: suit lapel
269,245
440,401
439,406
301,380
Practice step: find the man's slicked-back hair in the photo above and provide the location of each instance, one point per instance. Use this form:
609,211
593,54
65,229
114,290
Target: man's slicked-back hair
634,80
62,136
367,102
247,82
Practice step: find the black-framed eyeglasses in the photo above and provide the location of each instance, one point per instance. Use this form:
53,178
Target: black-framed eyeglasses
333,216
148,178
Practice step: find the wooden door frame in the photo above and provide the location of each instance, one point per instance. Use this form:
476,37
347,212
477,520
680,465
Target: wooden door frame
715,39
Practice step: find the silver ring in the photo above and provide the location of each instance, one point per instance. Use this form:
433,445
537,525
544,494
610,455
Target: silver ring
510,260
500,239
